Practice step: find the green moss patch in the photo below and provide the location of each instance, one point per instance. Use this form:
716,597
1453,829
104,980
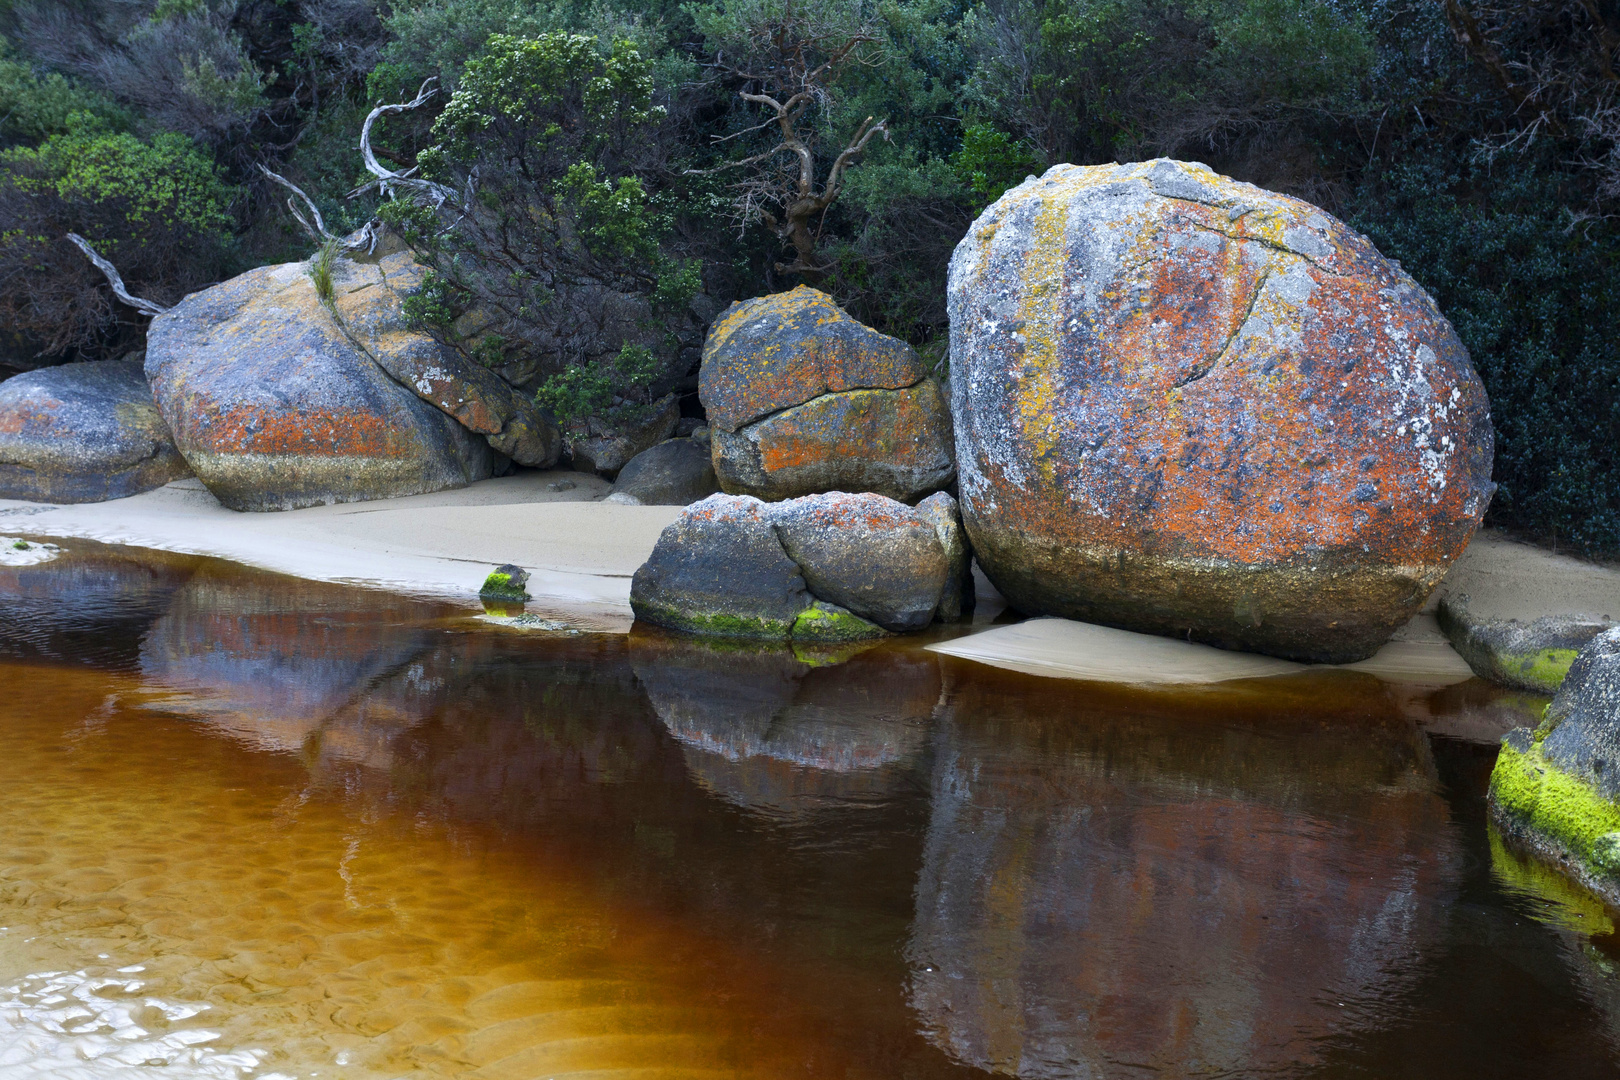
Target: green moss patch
714,624
828,623
1547,668
499,586
1559,807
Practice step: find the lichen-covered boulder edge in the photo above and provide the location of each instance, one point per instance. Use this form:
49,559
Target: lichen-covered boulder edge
83,433
368,302
824,568
276,406
804,399
1556,790
1533,656
1188,406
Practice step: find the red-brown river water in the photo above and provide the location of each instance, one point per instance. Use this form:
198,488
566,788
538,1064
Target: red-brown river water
259,827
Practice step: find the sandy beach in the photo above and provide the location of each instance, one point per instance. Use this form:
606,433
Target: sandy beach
581,553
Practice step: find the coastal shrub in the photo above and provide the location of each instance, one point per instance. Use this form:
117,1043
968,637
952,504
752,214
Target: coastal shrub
554,238
157,208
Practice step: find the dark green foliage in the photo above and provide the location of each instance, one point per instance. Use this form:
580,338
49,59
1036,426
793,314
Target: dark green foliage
1530,292
156,208
560,255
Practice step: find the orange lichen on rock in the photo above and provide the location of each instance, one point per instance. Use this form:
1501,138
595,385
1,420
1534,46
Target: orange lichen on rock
1191,406
803,399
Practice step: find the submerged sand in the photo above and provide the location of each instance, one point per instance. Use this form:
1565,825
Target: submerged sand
581,553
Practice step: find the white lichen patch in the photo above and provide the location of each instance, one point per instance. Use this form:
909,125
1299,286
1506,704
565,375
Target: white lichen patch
15,551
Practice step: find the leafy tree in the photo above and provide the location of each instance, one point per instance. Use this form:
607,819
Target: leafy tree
542,229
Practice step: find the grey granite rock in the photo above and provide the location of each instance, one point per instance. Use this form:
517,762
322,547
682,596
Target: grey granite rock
876,557
1585,717
956,602
676,472
1530,656
83,433
275,406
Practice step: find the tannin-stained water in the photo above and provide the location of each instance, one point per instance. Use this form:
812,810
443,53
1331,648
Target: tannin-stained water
257,827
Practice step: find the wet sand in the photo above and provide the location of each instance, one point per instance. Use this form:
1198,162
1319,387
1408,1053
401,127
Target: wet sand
581,554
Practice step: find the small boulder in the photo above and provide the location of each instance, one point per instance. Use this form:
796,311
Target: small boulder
956,602
368,301
802,399
676,472
604,446
1184,405
506,582
719,570
1556,789
83,433
274,406
874,556
1529,656
825,568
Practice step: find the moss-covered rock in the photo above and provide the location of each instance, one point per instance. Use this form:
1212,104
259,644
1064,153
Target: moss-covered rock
823,569
1529,656
1557,789
506,582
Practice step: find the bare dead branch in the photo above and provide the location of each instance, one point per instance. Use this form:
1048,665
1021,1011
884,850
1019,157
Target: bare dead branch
145,307
318,229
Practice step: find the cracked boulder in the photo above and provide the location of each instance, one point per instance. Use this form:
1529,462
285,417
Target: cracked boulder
1188,406
83,433
824,568
802,399
368,301
275,405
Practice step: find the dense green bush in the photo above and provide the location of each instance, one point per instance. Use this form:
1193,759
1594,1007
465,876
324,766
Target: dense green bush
554,268
1529,290
158,209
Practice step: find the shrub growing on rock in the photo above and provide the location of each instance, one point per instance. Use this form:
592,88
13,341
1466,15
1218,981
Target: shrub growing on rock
552,267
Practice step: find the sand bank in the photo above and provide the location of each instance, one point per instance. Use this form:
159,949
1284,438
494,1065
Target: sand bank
579,552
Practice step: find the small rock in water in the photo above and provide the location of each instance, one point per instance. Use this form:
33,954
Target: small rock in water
506,582
560,485
21,545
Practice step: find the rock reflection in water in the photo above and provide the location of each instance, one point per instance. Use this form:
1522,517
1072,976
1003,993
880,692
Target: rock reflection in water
1104,890
784,733
290,665
91,605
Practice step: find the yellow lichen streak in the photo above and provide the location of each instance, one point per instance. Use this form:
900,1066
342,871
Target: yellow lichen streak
1040,309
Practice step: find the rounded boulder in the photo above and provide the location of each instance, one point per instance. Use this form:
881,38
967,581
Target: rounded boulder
83,433
276,405
1189,406
803,399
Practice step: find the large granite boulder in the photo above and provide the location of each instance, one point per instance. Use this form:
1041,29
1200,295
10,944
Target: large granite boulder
824,568
276,406
803,399
1188,406
368,301
676,472
1556,789
83,433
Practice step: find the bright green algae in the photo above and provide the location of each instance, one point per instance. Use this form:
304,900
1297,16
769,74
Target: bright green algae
499,586
1547,668
1558,807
